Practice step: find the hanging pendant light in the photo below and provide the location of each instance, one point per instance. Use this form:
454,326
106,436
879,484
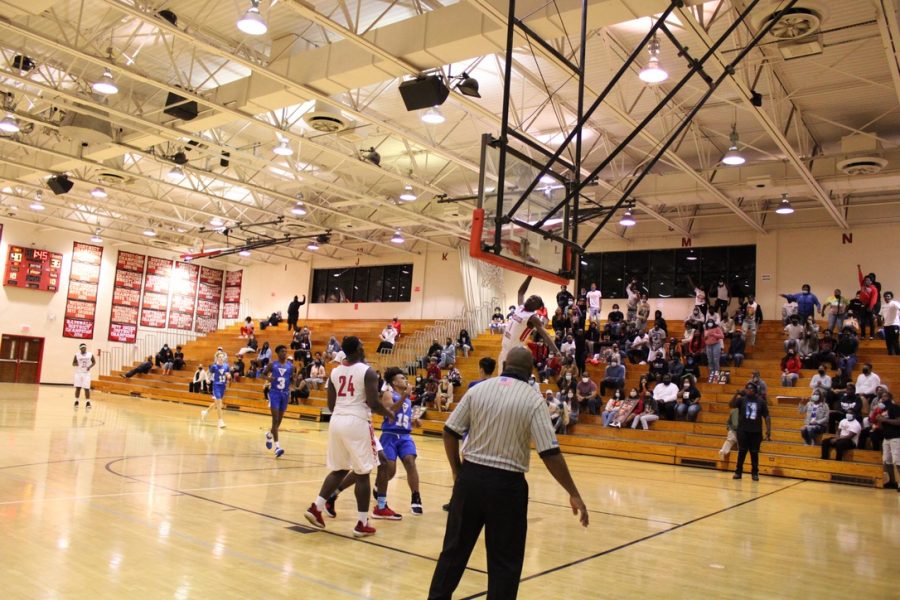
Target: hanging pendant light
433,116
252,22
9,124
408,194
784,207
733,157
283,148
627,219
106,85
653,73
398,238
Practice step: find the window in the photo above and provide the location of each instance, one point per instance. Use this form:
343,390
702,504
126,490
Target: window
391,283
665,273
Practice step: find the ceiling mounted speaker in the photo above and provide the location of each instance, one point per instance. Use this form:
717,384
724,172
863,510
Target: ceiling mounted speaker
180,108
423,92
60,184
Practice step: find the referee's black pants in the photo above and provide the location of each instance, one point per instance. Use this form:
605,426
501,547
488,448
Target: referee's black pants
496,500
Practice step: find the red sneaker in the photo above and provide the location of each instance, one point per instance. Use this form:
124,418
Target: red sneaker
363,529
314,516
385,513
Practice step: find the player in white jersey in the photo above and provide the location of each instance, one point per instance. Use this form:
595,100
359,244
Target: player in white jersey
352,396
595,303
83,363
522,322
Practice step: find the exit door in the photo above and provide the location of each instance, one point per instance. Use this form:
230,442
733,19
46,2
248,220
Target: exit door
20,359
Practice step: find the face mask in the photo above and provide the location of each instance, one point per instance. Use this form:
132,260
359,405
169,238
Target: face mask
866,371
850,416
585,379
838,296
571,395
667,381
633,394
568,376
821,371
531,380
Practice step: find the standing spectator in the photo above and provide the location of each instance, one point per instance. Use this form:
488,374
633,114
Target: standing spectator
836,306
633,295
659,321
564,298
699,298
666,395
752,410
868,296
891,315
293,312
464,342
752,318
807,303
723,296
595,304
613,377
790,369
889,422
489,484
712,340
643,313
688,401
815,419
586,392
848,437
731,428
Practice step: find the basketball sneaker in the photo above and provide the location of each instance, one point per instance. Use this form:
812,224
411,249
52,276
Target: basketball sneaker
279,452
363,530
416,504
269,440
221,424
202,415
87,404
329,506
314,516
385,513
75,406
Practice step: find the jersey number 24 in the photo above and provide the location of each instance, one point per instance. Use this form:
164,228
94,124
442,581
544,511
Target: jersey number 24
345,386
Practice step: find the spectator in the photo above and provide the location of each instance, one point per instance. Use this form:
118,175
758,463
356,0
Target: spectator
790,369
614,376
299,390
198,384
731,426
551,368
658,368
511,312
265,355
821,381
498,323
815,419
561,325
433,372
676,367
723,296
586,392
331,348
866,383
695,348
752,410
444,394
247,328
434,351
592,338
760,387
691,369
555,408
564,298
660,322
464,342
847,438
647,412
728,326
699,298
871,426
868,297
398,327
568,374
615,314
847,401
580,350
826,352
737,349
845,351
836,306
666,396
889,422
611,408
387,337
316,375
752,318
448,354
809,340
639,350
712,340
595,304
788,311
806,302
539,352
571,407
688,401
567,348
793,331
293,311
178,359
252,346
656,341
338,357
295,338
165,357
890,312
237,370
695,319
643,313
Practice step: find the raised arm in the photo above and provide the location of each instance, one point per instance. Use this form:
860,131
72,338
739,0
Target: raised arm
523,289
372,396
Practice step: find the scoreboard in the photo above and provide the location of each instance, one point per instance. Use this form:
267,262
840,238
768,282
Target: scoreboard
33,269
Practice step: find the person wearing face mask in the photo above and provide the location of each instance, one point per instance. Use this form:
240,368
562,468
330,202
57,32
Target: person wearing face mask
666,396
866,383
532,381
568,375
614,376
611,408
760,387
793,332
815,419
752,319
806,302
821,381
847,438
790,369
676,367
713,337
586,392
836,307
316,375
846,402
752,412
737,348
646,412
722,295
687,402
868,295
632,407
890,312
571,407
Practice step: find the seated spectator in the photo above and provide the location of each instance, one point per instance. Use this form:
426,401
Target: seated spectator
614,376
539,352
265,355
666,396
455,376
866,383
713,337
846,401
444,394
693,347
198,383
826,352
688,401
611,408
872,425
676,367
847,438
418,392
660,322
658,368
434,351
316,378
845,352
387,337
572,408
815,419
237,370
511,312
729,326
252,346
143,368
821,381
555,410
299,391
275,319
331,348
639,350
586,392
433,372
398,327
165,357
737,348
568,374
592,338
448,354
691,369
295,338
464,342
695,320
567,348
551,368
247,328
338,357
498,323
646,413
793,331
615,315
790,369
533,382
626,408
636,400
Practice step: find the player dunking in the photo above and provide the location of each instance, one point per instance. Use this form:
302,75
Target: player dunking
280,373
83,363
220,375
352,395
522,322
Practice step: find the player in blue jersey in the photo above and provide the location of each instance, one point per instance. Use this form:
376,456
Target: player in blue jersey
396,441
281,373
219,372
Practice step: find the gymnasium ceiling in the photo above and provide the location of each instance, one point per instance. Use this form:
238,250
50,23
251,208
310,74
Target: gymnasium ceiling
830,74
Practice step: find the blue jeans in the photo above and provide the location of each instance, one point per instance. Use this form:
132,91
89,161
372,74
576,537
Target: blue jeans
607,416
687,411
789,379
737,358
835,321
810,432
713,354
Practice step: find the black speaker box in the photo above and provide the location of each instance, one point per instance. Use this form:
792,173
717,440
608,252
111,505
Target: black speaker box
60,184
180,108
423,92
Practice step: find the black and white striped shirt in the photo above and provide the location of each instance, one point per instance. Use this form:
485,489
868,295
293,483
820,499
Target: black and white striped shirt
501,416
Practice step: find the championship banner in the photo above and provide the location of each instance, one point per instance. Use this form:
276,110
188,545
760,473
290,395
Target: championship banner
126,299
155,303
81,300
184,296
209,296
231,306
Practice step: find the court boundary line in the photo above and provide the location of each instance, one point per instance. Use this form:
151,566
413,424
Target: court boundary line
644,538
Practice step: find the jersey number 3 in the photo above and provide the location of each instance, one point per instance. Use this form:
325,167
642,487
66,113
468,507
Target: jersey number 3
345,386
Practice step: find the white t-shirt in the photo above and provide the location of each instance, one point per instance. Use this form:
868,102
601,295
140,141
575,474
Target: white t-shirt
699,297
665,393
594,297
850,427
722,292
349,382
84,362
633,296
891,313
339,357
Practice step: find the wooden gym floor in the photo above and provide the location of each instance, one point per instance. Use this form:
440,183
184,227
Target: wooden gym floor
138,499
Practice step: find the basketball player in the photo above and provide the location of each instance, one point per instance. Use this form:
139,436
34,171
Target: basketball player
396,439
220,375
83,363
522,322
352,392
280,372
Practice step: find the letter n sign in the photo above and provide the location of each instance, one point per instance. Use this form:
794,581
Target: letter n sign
685,242
846,238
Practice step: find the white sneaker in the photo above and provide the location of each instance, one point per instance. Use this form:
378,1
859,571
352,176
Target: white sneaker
202,415
221,424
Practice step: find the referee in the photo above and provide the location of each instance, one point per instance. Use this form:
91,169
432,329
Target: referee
500,416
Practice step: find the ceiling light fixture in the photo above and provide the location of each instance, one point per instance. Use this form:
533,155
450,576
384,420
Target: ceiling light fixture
106,85
216,222
299,209
691,256
99,192
733,157
252,22
244,253
627,219
398,238
433,116
150,232
283,148
9,124
784,207
468,86
653,73
313,246
176,173
96,237
36,204
408,194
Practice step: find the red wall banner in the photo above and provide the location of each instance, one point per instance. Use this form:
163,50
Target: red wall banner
81,299
123,318
232,299
184,296
209,296
155,304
